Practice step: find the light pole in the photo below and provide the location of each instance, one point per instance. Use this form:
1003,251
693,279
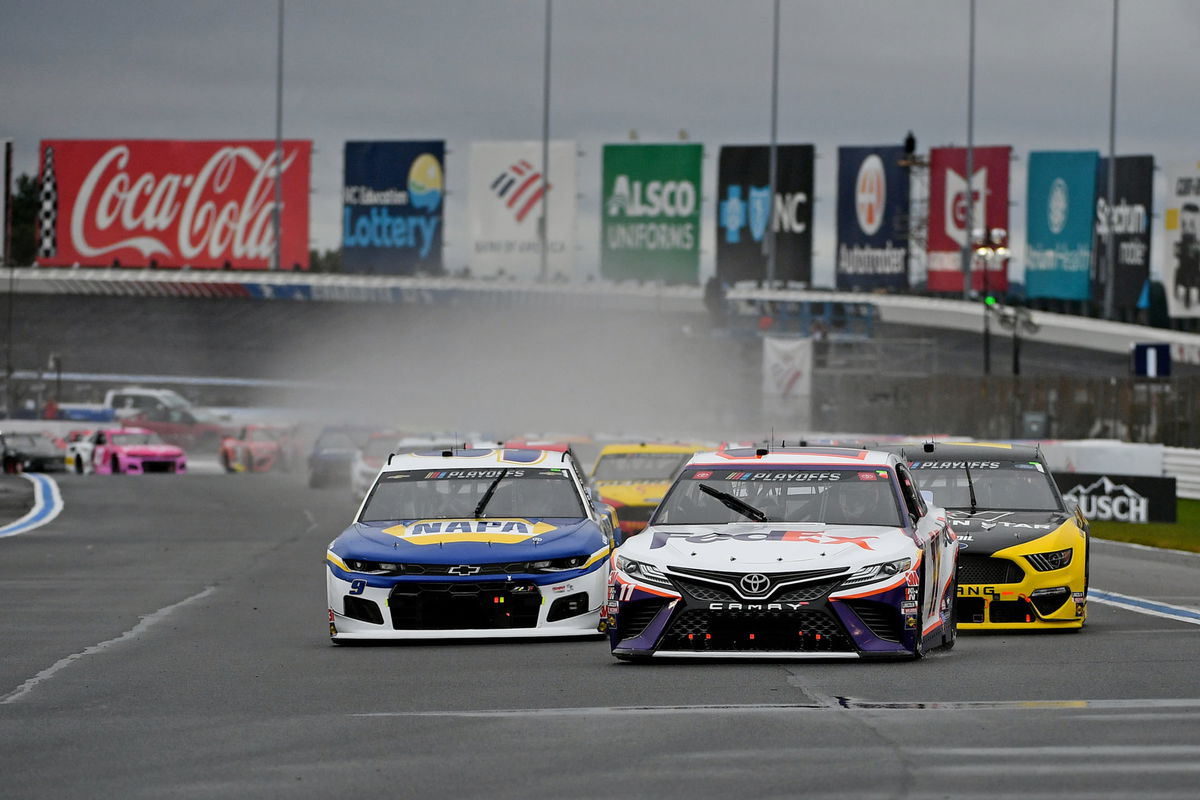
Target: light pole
275,215
966,251
543,225
990,246
1110,257
773,166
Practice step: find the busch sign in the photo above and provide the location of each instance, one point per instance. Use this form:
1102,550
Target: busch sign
176,203
1120,498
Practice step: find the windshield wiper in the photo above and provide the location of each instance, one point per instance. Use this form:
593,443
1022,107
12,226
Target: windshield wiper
734,504
487,496
970,485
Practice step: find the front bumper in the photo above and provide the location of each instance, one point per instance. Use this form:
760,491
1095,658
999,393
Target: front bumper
1004,591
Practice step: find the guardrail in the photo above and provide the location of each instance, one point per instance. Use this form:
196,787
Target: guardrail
1183,464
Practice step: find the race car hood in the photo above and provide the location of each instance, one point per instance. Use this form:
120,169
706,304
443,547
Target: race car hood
456,541
775,546
152,451
633,493
985,532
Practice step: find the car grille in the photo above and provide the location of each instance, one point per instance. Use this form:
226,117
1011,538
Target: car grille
882,619
1007,611
801,631
158,466
570,606
705,591
635,616
511,568
792,592
985,569
430,605
969,610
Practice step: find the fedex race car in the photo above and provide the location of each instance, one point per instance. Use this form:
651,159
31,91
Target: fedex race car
786,553
468,544
1024,559
632,478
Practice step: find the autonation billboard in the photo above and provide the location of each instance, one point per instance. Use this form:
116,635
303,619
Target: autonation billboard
1060,204
872,211
392,207
650,212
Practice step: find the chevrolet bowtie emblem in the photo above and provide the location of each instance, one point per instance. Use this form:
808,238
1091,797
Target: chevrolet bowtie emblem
463,569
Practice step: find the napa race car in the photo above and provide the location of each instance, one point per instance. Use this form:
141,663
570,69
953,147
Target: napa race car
786,553
1025,555
471,544
632,478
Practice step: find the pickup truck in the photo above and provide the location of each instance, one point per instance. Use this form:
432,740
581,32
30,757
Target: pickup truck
163,411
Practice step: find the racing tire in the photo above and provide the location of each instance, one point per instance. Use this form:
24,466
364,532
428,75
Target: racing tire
79,465
115,465
225,462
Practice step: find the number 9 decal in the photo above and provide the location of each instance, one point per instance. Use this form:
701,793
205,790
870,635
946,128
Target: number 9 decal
357,586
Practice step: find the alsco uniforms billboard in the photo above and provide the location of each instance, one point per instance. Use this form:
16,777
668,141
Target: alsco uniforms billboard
872,212
392,210
1060,203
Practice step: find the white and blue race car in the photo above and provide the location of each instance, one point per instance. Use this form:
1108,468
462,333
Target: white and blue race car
471,544
786,553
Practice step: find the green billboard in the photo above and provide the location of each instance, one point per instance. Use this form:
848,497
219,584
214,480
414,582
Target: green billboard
650,212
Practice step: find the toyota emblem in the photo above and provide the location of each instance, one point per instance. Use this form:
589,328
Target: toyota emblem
463,569
755,583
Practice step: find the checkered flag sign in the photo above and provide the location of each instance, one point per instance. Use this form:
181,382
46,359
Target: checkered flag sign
48,211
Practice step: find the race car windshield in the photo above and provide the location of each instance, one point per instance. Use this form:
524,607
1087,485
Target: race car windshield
789,494
1003,485
648,467
19,440
456,494
127,439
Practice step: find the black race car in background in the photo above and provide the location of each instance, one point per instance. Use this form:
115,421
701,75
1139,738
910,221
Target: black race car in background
31,451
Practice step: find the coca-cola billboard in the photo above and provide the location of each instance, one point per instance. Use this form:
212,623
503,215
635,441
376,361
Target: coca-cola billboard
171,203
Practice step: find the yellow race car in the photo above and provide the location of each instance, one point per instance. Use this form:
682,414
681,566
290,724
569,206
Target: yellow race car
1023,559
632,478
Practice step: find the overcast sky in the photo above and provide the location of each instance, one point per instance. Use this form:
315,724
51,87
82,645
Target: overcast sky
852,72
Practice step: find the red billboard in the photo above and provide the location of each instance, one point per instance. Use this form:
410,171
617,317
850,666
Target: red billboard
171,203
948,229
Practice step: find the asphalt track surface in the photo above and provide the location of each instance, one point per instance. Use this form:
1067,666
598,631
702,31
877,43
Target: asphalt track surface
166,636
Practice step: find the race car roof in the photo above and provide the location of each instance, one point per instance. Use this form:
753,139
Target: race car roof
477,459
966,451
795,456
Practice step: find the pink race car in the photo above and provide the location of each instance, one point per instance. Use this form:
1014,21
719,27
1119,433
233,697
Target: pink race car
132,451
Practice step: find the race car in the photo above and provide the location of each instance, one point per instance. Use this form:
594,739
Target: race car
370,458
632,478
31,451
260,448
332,452
129,451
470,544
786,553
1025,555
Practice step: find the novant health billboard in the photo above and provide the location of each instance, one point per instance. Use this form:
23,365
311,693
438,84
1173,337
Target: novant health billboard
1060,204
745,212
872,214
948,228
171,203
392,209
650,212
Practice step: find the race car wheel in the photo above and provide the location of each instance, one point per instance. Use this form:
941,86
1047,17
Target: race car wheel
115,464
78,465
225,462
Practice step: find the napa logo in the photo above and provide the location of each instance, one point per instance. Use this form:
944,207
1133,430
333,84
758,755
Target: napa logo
482,531
425,182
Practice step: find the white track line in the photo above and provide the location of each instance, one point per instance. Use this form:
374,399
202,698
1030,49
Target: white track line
1150,607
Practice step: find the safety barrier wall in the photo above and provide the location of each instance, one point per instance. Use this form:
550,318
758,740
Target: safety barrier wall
1183,464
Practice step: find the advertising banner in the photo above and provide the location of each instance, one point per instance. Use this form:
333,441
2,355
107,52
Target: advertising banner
948,228
744,208
1120,498
171,203
872,212
1132,211
1060,209
506,189
392,210
650,212
1181,246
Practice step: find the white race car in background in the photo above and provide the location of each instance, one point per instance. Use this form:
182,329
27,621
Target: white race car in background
368,460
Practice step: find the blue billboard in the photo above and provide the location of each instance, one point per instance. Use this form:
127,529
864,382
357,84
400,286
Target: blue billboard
392,207
1060,206
872,215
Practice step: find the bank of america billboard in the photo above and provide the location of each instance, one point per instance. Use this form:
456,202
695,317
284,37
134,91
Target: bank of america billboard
507,196
171,203
745,212
948,228
1060,204
872,212
1181,245
1133,208
650,212
392,209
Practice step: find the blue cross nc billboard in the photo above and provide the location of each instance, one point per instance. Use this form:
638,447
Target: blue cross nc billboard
1060,207
392,216
872,212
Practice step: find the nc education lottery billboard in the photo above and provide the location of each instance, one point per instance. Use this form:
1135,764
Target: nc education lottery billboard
506,189
745,212
1132,211
650,212
198,203
872,210
1060,205
392,210
1181,246
948,228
